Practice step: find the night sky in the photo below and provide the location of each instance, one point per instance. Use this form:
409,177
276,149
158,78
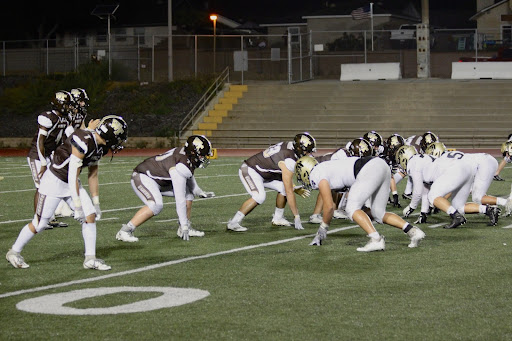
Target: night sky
36,19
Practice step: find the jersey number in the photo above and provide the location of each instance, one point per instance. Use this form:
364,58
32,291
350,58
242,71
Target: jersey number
272,150
454,155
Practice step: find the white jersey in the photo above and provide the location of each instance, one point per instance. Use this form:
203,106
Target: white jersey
483,166
418,167
368,179
339,173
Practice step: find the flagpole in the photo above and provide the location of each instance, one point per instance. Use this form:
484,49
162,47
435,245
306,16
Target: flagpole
371,20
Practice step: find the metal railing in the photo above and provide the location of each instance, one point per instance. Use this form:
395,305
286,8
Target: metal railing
203,102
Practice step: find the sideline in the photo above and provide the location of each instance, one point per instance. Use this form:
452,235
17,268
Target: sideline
161,265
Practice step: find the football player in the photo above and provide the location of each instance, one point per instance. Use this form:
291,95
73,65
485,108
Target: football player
503,162
76,119
377,142
368,179
394,142
273,168
169,174
433,178
50,135
84,148
484,166
418,142
358,147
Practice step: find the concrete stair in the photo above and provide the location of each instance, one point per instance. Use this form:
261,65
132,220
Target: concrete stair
464,114
220,110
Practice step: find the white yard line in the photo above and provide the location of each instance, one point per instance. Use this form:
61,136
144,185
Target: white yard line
436,225
134,207
161,265
118,183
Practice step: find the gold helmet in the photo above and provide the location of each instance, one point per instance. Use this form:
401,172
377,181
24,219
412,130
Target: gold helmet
403,154
435,149
303,168
506,147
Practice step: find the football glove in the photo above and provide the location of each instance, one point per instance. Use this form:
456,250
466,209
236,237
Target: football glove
206,194
321,234
302,191
98,211
422,219
79,214
298,223
407,211
184,232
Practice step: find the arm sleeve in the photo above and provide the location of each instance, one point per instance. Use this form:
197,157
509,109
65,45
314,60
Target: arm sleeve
417,188
193,187
75,163
179,176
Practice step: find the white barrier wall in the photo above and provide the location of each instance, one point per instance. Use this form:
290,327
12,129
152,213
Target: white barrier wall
478,70
370,71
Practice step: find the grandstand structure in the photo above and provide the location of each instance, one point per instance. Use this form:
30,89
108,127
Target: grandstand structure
464,114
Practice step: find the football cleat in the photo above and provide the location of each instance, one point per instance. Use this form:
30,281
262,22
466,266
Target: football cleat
416,236
493,212
457,220
280,222
498,178
315,219
236,227
96,264
340,214
191,232
16,259
373,245
55,223
126,236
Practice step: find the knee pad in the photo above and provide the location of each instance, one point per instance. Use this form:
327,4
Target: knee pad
155,208
40,225
259,197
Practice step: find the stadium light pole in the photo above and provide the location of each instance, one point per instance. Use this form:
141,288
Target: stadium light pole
170,77
213,18
102,12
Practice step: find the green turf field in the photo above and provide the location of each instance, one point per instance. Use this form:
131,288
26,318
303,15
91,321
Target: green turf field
264,284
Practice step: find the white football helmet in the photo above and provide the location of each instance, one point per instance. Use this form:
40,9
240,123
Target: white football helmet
303,168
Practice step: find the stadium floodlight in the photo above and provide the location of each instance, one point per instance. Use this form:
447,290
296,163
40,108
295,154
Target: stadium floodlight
106,12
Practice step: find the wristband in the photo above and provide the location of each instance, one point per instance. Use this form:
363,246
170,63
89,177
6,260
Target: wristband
324,225
96,200
297,216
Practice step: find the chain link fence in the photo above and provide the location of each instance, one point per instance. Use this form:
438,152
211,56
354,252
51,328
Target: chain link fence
291,57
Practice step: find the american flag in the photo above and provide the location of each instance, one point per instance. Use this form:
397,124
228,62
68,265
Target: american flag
361,13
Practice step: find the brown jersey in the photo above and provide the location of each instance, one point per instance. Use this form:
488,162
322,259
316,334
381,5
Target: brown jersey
79,118
85,142
266,163
55,126
157,167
